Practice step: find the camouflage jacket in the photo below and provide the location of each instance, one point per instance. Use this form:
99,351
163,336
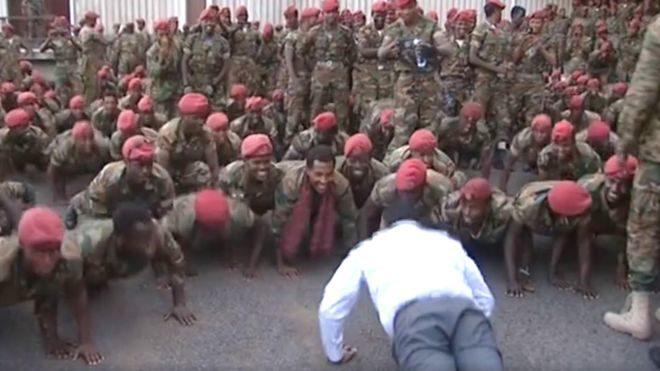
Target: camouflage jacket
306,140
424,30
583,122
463,147
105,122
441,162
531,209
184,150
524,148
64,156
237,183
301,61
254,124
129,102
456,65
368,37
27,144
65,120
606,150
117,141
492,43
163,70
244,42
330,45
493,227
228,149
605,219
361,190
154,120
207,55
584,160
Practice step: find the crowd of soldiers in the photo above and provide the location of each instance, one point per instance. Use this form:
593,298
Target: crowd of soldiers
294,139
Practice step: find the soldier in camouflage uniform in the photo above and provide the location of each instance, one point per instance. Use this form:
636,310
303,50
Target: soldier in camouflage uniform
21,195
333,49
93,46
577,114
600,138
186,147
9,66
594,99
236,103
127,45
39,117
359,168
245,43
206,62
291,24
65,52
128,125
324,131
227,143
379,122
426,188
414,91
34,266
149,118
639,128
144,38
133,95
564,158
65,119
22,144
629,49
297,217
488,54
105,118
254,121
578,47
613,111
135,179
372,79
163,70
81,150
123,246
477,213
552,208
268,59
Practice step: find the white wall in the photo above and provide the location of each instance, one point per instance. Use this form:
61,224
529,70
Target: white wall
122,11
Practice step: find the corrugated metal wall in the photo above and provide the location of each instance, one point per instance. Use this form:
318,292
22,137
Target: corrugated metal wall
121,11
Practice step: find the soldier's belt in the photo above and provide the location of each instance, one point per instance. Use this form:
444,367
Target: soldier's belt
330,64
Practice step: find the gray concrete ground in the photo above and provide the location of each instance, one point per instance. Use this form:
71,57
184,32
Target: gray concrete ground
270,323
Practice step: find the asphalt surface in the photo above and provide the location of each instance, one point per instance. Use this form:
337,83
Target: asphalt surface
270,323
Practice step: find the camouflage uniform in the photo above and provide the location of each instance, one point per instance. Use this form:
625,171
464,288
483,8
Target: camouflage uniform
46,121
245,43
127,47
269,64
117,141
577,52
441,162
416,93
33,10
492,45
612,112
228,149
152,120
9,68
371,126
64,156
604,151
306,140
372,79
250,123
494,225
334,51
110,188
206,57
65,120
22,194
104,121
639,125
96,243
22,148
584,160
297,88
236,182
531,209
583,122
288,190
456,75
465,149
605,219
628,53
93,58
67,76
524,148
188,165
557,30
163,70
595,102
361,191
436,189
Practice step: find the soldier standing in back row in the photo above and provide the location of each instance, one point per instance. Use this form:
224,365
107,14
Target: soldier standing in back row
65,52
127,45
245,43
93,55
163,67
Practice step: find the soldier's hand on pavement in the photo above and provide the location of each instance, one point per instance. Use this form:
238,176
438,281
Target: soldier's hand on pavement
515,290
586,291
558,282
182,314
250,273
59,348
289,272
89,354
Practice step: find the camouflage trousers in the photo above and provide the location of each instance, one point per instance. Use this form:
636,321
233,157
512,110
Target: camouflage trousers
127,64
243,70
525,100
574,64
371,82
492,93
192,177
329,86
166,107
67,81
90,82
644,228
203,84
454,91
297,106
417,95
268,79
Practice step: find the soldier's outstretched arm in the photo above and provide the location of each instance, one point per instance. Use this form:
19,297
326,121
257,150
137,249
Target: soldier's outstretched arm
257,234
77,298
511,252
585,258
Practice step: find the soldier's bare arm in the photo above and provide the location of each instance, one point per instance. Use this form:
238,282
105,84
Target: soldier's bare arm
76,294
585,259
257,234
555,278
368,219
511,254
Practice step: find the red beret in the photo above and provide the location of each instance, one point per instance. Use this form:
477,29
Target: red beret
211,208
576,74
268,31
82,130
325,121
161,26
582,80
255,104
41,228
472,110
540,15
433,15
25,65
256,145
330,6
472,13
422,140
207,14
572,91
560,86
291,11
379,6
576,103
451,14
568,198
194,104
135,84
562,131
386,117
103,73
127,121
358,145
615,169
602,29
411,175
91,15
238,91
8,27
476,189
310,13
50,94
542,122
77,102
593,84
17,118
598,132
405,4
173,19
26,97
138,148
217,121
7,88
241,10
277,95
497,3
463,16
620,89
146,104
38,78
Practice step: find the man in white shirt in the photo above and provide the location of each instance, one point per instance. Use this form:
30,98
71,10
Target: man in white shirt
431,298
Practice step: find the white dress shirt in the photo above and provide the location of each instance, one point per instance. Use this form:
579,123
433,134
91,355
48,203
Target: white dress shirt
403,263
